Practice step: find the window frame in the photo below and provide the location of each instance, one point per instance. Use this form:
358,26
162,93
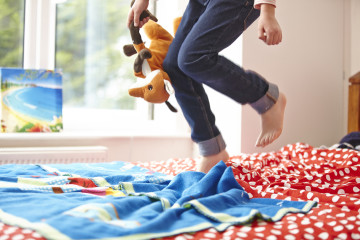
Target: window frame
39,34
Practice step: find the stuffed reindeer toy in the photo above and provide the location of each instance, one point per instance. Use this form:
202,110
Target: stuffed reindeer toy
153,84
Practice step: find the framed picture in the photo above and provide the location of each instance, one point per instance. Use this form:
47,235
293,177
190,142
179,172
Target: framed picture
31,100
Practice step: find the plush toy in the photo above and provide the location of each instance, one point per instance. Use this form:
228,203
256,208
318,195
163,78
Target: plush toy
154,84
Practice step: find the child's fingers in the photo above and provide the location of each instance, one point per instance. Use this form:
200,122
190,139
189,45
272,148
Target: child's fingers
130,17
145,20
278,38
269,39
273,38
262,34
270,36
136,18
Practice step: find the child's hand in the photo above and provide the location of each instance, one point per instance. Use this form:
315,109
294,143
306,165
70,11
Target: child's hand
268,27
134,14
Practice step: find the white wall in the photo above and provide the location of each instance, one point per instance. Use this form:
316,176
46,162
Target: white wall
308,68
355,37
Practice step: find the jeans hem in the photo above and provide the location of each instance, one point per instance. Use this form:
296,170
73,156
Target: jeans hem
268,100
212,146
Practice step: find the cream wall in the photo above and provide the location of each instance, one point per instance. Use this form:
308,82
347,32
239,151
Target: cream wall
354,36
312,65
309,68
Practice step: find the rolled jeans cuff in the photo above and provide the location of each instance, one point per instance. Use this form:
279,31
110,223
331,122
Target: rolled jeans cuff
212,146
268,100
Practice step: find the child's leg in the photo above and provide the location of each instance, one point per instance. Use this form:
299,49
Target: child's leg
195,49
190,94
221,24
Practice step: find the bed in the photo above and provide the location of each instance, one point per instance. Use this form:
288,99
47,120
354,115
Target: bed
297,192
296,173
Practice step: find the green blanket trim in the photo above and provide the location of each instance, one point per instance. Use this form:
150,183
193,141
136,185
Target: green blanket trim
226,221
42,228
49,232
144,236
225,218
32,182
127,187
101,182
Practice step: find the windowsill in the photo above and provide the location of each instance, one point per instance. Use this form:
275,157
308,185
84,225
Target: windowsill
82,123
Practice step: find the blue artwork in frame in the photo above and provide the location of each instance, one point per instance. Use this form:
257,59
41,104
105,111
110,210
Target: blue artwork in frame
31,100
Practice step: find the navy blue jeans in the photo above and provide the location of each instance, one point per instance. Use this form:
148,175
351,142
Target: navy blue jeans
206,28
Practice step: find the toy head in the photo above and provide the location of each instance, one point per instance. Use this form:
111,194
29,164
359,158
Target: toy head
154,88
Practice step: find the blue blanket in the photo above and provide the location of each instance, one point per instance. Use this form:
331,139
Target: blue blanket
121,201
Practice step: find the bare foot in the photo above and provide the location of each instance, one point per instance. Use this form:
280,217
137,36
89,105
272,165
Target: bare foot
206,163
272,122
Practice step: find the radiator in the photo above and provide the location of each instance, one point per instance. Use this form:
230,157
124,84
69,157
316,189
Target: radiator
45,155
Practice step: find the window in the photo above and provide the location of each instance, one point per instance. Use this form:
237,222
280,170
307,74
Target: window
90,35
89,39
83,38
11,33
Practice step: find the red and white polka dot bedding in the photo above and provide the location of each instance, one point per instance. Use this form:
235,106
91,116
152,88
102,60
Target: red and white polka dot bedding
296,172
